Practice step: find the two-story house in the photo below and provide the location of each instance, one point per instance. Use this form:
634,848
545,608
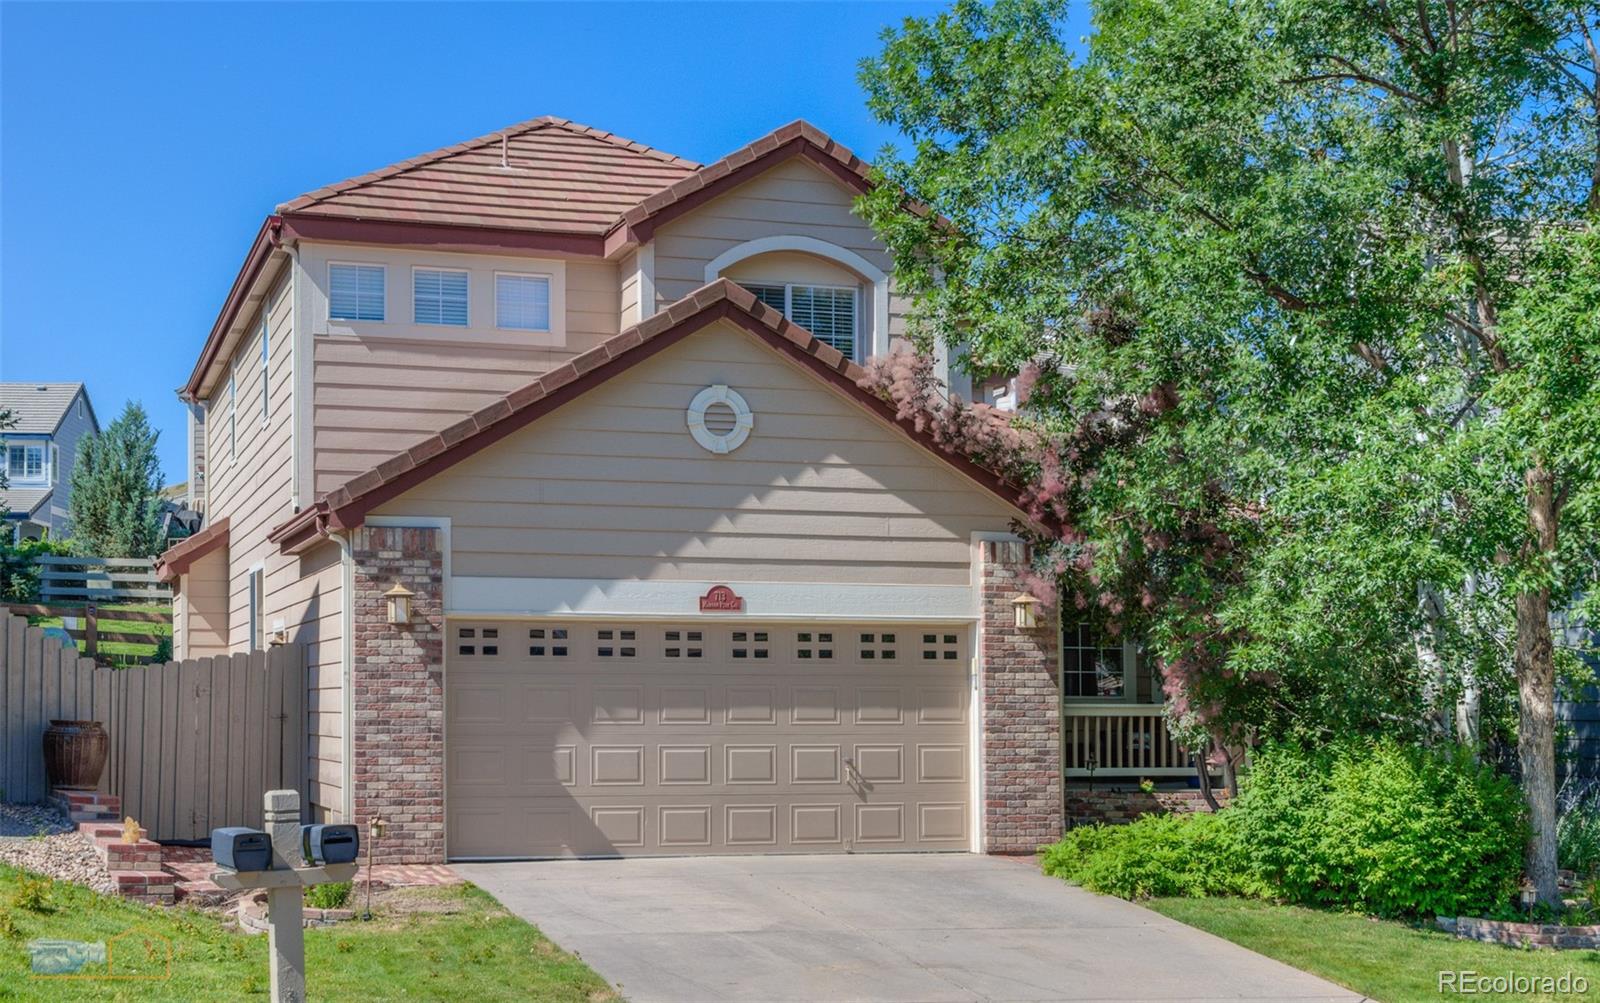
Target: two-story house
39,447
550,449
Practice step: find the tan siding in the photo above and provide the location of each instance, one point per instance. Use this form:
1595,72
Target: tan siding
612,486
793,198
374,396
204,605
628,269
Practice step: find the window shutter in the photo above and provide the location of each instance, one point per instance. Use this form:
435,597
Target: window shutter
522,302
439,297
770,295
355,292
828,313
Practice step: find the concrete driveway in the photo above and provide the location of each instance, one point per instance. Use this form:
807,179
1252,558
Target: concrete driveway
921,928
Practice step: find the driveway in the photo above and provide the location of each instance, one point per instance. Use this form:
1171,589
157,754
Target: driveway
921,927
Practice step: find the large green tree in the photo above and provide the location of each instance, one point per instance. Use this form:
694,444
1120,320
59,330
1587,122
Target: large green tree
116,486
1290,286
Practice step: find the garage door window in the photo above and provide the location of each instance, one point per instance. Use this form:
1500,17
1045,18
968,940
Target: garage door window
547,642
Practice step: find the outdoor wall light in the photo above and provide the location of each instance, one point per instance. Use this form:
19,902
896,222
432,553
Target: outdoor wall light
399,599
1027,610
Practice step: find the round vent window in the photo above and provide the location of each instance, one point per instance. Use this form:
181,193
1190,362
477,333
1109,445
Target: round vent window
719,419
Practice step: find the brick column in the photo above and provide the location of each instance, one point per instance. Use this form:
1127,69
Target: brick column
397,688
1021,712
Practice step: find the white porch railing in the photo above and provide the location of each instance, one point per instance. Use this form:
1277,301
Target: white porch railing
1120,740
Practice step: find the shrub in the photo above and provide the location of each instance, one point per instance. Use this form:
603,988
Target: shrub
1157,855
1384,828
19,567
1578,828
31,894
329,896
1373,826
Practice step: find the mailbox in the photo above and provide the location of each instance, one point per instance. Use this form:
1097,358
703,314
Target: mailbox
241,848
331,844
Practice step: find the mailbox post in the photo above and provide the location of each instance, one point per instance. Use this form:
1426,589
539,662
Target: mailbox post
285,883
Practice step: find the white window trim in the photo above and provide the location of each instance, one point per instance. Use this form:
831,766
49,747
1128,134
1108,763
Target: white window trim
54,461
233,411
256,576
22,479
550,280
337,262
266,360
465,272
874,339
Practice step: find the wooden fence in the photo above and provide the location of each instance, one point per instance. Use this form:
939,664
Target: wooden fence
98,579
134,626
193,744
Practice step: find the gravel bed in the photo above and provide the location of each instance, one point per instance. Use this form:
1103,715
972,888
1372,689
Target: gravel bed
40,839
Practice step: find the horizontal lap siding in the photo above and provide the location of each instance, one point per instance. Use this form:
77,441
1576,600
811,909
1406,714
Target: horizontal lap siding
612,486
374,397
794,199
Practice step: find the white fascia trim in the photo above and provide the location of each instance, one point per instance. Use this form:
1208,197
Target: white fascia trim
822,249
676,600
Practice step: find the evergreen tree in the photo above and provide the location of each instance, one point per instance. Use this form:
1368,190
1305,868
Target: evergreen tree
116,484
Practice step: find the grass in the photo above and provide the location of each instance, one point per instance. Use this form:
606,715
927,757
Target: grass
447,943
107,620
1388,961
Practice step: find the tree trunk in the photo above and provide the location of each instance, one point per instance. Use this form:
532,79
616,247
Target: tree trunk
1435,678
1536,685
1202,768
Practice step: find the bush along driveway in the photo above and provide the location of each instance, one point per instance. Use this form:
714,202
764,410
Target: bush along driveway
449,943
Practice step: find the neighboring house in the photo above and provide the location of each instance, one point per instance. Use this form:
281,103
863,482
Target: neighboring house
40,447
677,584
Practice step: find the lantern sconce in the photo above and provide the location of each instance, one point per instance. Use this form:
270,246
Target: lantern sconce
399,599
1027,611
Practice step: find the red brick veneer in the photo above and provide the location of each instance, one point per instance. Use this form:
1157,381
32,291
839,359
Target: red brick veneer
397,687
1021,696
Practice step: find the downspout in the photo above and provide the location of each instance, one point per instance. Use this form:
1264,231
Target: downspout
293,247
347,618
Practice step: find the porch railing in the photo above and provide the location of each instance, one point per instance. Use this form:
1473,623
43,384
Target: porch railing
1120,740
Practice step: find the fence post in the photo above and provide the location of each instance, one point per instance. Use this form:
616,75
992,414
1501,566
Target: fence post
91,639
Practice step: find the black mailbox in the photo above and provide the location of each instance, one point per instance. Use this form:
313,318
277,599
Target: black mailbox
331,844
241,848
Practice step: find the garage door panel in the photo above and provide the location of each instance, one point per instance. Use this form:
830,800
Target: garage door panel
811,740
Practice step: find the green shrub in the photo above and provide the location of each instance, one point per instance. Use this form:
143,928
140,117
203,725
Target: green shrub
1158,855
1578,828
19,567
31,894
1383,828
329,896
1373,826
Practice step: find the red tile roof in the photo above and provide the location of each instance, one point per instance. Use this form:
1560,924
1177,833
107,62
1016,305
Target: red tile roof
558,176
176,559
346,507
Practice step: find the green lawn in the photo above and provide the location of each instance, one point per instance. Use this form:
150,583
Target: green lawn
1390,962
107,621
453,943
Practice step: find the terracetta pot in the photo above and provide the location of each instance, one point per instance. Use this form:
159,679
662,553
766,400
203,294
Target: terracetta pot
75,754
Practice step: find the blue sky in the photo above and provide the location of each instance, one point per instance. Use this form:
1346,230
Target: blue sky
141,145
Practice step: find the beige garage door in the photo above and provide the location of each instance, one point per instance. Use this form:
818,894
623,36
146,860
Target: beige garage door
641,739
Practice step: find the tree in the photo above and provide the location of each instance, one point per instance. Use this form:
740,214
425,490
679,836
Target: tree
116,485
1280,273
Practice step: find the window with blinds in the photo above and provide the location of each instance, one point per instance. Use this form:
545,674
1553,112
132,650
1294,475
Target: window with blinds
522,302
829,312
439,296
355,292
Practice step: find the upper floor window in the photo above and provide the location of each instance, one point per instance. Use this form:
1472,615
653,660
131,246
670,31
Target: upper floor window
25,462
355,292
829,312
522,302
439,296
266,389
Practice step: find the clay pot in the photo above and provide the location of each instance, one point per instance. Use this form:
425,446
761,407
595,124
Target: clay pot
75,754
